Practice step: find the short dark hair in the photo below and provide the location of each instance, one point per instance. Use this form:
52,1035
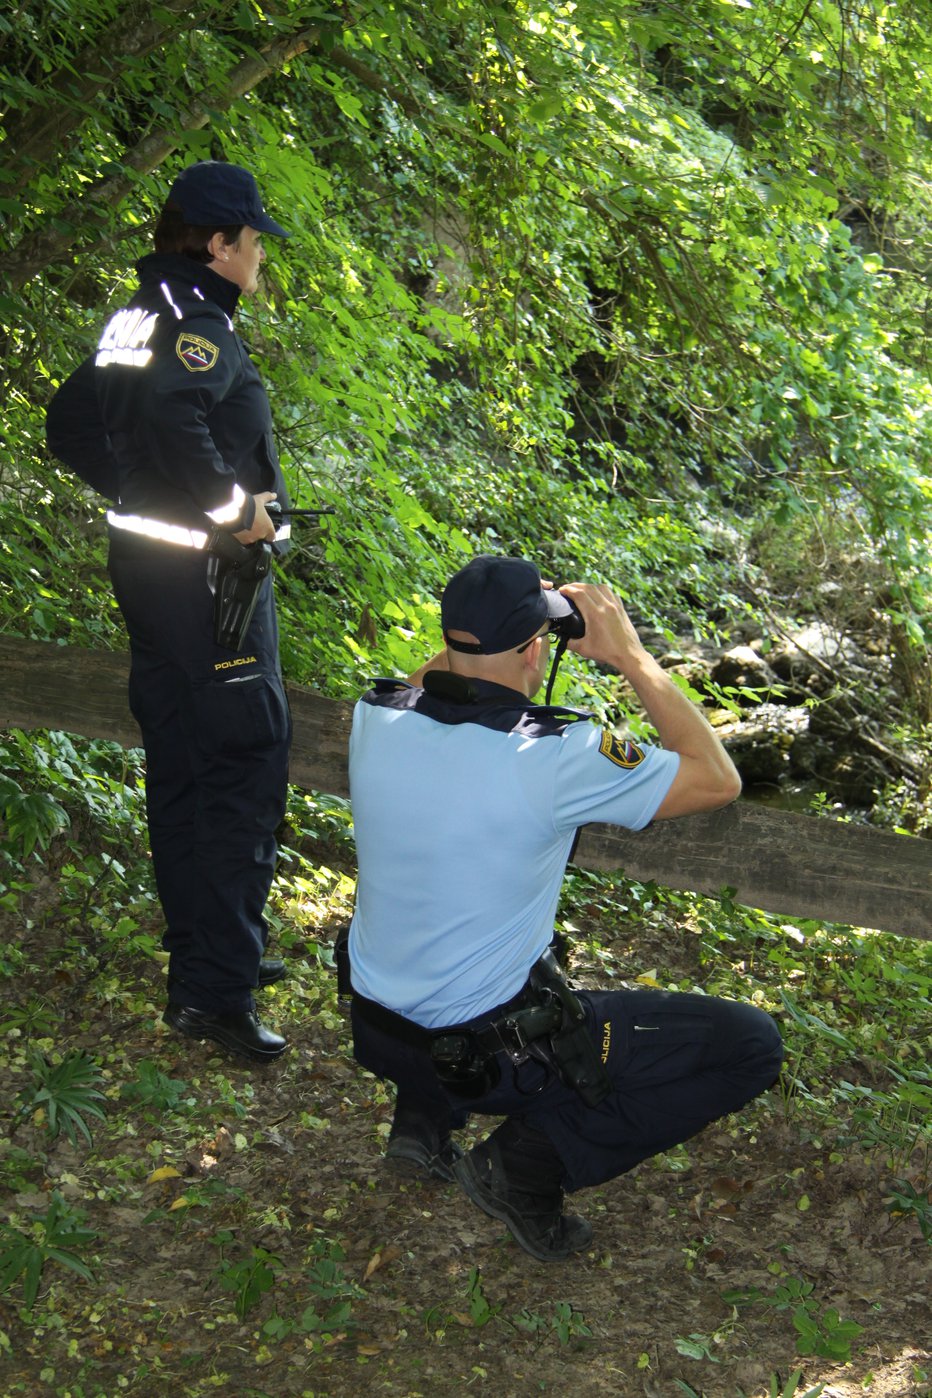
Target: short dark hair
172,234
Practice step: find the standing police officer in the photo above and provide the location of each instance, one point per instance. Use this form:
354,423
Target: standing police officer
466,803
170,419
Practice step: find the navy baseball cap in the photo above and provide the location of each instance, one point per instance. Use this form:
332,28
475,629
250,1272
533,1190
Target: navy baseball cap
213,192
499,601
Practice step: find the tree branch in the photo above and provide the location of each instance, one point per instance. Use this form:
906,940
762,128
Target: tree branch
41,133
53,239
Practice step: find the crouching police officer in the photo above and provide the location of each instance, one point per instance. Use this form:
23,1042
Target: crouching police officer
466,802
170,419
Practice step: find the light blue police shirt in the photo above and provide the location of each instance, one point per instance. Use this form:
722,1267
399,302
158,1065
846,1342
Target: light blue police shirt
465,815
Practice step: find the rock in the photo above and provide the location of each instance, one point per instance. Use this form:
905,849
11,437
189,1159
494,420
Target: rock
830,704
742,666
812,660
760,745
855,778
812,756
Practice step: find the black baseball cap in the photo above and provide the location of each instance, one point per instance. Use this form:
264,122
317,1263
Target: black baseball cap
499,601
214,192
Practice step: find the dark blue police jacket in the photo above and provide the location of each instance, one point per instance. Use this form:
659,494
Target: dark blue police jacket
170,412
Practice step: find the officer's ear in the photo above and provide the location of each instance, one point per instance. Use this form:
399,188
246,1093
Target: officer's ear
532,657
219,248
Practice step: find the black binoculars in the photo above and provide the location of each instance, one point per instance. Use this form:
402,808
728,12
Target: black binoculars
568,628
565,629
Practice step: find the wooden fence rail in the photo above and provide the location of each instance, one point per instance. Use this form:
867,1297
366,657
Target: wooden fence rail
795,865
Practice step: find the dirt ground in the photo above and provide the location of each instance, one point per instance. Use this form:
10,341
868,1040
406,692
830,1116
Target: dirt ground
288,1158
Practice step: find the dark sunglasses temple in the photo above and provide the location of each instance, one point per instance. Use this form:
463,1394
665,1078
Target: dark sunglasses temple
539,637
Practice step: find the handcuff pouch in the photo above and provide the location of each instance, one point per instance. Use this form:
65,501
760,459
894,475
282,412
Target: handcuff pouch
462,1066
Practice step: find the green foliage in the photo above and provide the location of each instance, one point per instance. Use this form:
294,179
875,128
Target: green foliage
696,1346
792,1387
894,1116
480,1310
64,1093
74,784
566,1323
550,270
156,1092
53,1237
16,1167
314,816
248,1278
906,1200
31,817
58,778
36,1018
332,1291
330,1312
825,1335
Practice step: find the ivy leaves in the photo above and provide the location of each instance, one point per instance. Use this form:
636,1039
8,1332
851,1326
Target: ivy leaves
611,248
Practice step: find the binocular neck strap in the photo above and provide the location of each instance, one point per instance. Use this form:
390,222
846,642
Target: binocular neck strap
554,666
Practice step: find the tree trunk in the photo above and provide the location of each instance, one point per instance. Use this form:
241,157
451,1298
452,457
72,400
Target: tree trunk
795,865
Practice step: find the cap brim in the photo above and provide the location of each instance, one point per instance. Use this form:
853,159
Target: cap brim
264,224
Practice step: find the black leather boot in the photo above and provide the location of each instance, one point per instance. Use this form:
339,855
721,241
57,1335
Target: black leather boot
237,1030
418,1145
271,969
516,1176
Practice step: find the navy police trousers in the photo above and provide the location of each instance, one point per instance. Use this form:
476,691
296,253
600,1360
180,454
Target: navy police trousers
677,1061
216,730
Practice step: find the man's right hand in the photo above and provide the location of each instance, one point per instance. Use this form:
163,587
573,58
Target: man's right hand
610,637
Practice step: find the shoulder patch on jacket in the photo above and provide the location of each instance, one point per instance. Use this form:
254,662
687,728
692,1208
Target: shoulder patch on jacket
620,751
196,353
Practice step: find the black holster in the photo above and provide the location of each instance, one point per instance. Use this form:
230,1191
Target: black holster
545,1021
236,577
549,1025
463,1065
569,1049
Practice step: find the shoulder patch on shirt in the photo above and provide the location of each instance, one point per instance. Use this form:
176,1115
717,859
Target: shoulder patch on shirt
620,751
196,353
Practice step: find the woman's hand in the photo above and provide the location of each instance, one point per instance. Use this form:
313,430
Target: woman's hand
262,526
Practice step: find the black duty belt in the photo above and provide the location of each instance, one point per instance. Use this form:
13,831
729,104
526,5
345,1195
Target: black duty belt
510,1029
545,1021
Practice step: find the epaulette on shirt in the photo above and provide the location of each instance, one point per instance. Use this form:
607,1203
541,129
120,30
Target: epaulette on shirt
383,685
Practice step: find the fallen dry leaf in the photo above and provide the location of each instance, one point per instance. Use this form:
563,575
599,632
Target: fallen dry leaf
164,1172
381,1259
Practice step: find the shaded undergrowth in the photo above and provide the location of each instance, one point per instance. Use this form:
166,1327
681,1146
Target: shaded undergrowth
174,1222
